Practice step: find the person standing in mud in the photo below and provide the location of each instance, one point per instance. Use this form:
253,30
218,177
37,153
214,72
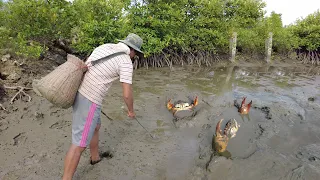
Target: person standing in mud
87,106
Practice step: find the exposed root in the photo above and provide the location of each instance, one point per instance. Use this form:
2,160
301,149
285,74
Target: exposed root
20,92
169,57
310,57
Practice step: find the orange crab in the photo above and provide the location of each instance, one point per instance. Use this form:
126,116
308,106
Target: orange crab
181,105
220,140
243,108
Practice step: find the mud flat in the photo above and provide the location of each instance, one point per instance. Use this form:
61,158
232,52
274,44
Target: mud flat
279,139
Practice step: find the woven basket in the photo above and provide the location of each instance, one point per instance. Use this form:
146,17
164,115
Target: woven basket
61,85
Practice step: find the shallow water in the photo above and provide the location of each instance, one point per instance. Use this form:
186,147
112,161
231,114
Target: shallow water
293,122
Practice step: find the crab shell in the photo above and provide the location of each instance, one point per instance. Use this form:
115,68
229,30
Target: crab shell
180,105
244,108
221,139
231,128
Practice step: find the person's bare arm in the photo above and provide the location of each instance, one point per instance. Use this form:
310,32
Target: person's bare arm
125,72
128,96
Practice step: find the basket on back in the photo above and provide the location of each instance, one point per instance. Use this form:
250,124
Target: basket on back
61,85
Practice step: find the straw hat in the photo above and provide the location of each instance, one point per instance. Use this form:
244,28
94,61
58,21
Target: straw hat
134,41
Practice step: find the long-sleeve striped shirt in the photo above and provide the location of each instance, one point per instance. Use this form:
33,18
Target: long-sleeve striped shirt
98,79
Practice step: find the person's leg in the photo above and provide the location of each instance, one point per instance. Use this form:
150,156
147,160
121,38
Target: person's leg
71,161
94,144
84,123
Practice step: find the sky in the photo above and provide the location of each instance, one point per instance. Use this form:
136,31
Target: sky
291,10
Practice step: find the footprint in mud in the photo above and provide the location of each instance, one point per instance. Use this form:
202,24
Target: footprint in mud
309,157
55,113
60,124
20,138
312,99
310,153
58,148
205,127
4,125
34,159
38,115
107,154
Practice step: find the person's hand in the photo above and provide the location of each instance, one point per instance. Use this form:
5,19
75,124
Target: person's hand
131,114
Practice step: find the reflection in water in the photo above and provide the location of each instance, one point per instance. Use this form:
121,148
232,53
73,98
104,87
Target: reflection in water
245,116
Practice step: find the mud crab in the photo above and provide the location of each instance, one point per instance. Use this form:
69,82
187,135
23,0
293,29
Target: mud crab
243,108
220,139
181,105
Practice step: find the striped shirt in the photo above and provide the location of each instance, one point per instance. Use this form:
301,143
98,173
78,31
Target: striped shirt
98,79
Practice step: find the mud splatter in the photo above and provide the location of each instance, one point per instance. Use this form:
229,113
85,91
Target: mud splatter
266,111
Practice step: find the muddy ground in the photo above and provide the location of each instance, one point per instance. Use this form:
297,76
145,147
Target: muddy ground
279,139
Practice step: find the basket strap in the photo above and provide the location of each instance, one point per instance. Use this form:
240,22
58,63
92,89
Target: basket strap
107,57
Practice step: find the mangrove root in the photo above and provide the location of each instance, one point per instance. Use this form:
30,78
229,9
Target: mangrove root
21,91
169,58
312,57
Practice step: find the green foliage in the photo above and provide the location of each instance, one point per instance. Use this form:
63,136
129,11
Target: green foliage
243,13
20,45
250,41
253,39
4,38
308,31
206,31
166,26
159,24
35,20
2,15
98,22
38,19
27,48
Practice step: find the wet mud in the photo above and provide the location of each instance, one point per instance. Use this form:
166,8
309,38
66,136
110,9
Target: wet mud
278,139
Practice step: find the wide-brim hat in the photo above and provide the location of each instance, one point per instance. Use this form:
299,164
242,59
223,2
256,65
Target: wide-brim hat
134,41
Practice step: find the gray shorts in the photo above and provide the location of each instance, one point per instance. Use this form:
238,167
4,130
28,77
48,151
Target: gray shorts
86,116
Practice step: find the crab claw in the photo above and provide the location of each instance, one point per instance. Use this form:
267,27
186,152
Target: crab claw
249,105
231,128
228,126
195,101
220,141
244,109
218,129
169,105
243,101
